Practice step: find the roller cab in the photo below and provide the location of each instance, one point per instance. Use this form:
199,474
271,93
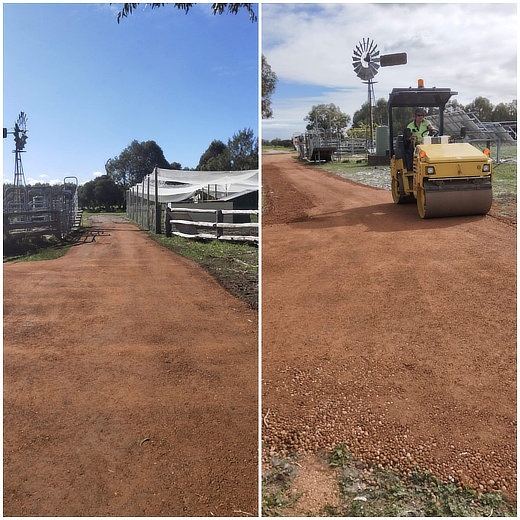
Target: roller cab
444,178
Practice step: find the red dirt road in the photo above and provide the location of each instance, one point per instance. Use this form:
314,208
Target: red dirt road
116,342
393,334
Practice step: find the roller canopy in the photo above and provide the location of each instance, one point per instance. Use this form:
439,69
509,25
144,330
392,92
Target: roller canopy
420,97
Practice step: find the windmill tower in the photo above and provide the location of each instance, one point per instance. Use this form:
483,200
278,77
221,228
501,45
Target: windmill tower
366,62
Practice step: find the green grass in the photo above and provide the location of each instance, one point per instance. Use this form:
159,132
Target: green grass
270,147
41,251
201,251
504,181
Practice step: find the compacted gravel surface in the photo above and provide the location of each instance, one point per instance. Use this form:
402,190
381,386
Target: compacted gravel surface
392,334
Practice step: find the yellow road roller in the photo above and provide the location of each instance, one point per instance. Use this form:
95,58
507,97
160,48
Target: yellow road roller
446,178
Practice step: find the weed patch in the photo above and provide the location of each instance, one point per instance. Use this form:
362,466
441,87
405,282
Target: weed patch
367,490
276,485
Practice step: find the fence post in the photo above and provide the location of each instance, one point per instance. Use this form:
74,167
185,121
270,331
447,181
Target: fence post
157,206
137,212
148,202
218,220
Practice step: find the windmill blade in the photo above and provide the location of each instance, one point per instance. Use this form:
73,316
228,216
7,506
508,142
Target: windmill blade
372,69
358,69
363,74
22,122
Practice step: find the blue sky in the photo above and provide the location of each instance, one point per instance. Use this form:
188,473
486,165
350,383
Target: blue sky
470,47
89,86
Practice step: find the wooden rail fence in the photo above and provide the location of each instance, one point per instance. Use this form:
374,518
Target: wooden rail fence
189,228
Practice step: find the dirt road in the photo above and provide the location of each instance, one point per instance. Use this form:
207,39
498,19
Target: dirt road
130,385
393,334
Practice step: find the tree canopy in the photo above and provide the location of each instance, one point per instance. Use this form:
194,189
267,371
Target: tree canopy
379,113
243,149
329,118
135,162
101,192
215,158
128,8
240,153
269,80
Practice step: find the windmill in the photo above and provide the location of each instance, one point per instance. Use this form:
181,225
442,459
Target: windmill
366,62
20,138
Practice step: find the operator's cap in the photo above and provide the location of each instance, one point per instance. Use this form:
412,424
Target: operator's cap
420,111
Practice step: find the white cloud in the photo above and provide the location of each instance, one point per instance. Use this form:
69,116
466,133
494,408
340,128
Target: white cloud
468,47
97,174
42,179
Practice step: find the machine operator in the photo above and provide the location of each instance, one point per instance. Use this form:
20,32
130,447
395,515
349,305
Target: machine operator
419,127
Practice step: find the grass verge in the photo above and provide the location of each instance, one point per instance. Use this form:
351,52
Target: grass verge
37,248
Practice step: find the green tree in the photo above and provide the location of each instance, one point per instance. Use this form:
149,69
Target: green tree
86,195
216,158
101,192
504,112
128,8
243,149
269,80
379,114
401,117
135,162
481,107
327,117
512,111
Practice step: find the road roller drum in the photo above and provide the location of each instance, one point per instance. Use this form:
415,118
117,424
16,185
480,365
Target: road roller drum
455,197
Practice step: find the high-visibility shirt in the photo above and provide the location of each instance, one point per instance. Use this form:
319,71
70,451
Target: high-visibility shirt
421,131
